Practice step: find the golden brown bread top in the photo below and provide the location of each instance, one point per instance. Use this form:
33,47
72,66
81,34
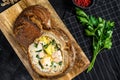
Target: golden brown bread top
29,23
38,15
26,32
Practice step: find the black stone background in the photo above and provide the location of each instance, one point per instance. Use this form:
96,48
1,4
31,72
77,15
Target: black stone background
107,66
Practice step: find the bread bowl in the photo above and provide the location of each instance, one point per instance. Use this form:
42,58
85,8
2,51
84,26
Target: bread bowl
50,51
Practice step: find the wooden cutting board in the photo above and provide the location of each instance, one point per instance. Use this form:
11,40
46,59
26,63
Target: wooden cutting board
7,19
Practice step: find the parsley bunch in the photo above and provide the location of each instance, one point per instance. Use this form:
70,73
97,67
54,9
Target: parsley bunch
100,30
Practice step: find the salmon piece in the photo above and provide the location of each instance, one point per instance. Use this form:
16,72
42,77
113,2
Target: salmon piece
57,56
46,62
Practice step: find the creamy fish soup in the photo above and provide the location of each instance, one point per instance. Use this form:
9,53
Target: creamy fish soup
46,54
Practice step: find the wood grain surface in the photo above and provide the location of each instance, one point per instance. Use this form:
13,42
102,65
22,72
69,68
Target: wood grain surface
7,19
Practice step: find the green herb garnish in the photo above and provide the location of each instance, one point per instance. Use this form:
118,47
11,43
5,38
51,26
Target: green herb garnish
45,52
60,63
100,30
40,65
38,51
57,46
51,64
37,56
45,46
46,64
54,66
53,42
35,45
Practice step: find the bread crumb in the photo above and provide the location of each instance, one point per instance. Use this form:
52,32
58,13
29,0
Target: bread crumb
7,2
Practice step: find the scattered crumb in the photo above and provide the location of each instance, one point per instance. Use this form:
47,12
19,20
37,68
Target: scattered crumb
7,2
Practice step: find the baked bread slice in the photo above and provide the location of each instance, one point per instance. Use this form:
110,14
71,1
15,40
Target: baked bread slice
25,31
50,50
30,23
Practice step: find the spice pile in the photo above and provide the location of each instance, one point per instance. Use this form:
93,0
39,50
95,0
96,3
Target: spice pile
82,3
6,2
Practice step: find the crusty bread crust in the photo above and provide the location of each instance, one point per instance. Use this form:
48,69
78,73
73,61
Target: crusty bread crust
25,32
31,24
67,49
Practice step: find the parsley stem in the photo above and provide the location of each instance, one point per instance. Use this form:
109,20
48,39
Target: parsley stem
92,63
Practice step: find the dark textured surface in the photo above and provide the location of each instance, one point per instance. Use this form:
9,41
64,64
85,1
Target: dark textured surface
107,66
